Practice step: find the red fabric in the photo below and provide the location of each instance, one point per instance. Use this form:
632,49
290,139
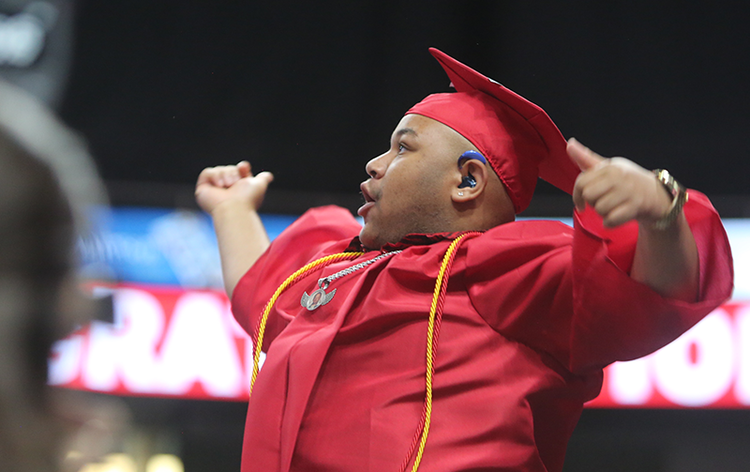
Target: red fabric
533,312
517,137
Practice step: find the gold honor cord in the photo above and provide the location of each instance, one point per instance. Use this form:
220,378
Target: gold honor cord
433,331
291,280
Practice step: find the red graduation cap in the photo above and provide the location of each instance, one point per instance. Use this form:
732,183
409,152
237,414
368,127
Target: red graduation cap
517,137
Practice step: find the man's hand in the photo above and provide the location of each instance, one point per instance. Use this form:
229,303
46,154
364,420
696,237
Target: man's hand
618,189
217,185
232,196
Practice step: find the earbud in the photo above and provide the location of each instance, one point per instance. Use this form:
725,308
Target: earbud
468,181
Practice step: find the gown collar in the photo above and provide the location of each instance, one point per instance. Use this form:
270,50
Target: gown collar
412,239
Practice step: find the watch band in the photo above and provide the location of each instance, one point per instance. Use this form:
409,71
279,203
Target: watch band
679,198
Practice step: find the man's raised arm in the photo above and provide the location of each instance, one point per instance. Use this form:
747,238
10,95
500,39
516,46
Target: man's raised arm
620,190
232,196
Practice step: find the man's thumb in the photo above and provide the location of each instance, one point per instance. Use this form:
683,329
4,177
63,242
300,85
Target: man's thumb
265,176
584,157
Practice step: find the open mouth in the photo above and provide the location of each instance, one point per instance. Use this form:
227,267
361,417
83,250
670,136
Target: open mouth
368,198
369,201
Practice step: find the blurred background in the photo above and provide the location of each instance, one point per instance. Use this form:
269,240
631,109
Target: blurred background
311,91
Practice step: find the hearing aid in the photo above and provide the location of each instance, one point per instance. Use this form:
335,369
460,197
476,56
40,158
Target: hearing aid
471,154
469,180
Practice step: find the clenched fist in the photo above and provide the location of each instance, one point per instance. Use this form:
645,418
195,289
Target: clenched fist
236,184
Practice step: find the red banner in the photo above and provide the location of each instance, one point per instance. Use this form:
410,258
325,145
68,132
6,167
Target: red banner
176,343
709,366
164,342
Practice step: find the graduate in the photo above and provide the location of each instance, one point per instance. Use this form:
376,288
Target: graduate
443,335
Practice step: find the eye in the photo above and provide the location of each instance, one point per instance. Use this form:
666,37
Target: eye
401,148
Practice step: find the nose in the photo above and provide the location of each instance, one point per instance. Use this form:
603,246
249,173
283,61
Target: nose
377,166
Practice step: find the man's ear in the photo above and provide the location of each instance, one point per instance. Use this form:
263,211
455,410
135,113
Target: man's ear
471,182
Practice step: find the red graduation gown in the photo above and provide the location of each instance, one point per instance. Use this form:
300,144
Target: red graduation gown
534,310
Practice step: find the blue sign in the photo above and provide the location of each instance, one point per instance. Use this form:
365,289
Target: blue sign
158,246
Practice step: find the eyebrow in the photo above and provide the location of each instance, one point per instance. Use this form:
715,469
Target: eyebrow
404,131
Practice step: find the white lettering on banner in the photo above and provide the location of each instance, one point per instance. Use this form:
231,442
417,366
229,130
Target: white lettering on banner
199,347
629,382
698,368
148,351
126,351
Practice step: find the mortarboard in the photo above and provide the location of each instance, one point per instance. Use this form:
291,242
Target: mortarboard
517,137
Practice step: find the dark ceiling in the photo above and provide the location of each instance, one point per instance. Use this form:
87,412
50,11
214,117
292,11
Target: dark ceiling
312,90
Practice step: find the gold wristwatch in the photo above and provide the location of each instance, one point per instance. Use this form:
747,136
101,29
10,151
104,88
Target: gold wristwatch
679,198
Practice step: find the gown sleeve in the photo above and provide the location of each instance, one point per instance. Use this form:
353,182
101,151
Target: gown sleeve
617,318
568,293
318,232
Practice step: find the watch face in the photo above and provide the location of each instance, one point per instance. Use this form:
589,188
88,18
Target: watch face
679,198
673,187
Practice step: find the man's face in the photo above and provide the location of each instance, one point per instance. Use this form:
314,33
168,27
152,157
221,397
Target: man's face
410,185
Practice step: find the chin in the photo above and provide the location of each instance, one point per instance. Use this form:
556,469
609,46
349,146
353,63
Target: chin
368,239
365,238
